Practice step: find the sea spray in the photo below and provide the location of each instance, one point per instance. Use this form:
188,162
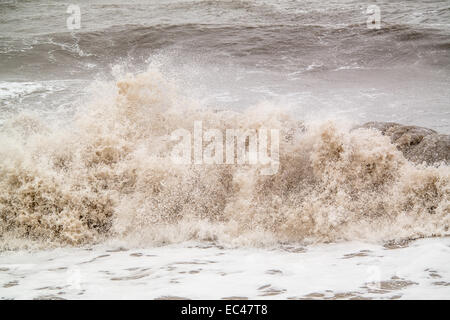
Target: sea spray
109,175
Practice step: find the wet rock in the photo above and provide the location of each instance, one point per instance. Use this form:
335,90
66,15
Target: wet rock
433,148
418,144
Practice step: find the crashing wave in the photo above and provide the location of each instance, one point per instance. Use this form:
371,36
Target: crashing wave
109,176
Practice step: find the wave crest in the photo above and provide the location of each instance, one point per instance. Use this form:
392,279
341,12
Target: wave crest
109,176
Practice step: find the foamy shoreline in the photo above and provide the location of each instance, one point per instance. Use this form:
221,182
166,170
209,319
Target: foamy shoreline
350,270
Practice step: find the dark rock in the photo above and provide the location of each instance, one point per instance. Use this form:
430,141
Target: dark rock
418,144
433,148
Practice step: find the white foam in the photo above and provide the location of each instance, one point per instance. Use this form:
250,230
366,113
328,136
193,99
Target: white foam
335,271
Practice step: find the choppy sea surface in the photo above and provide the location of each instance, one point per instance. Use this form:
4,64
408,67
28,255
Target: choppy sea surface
91,206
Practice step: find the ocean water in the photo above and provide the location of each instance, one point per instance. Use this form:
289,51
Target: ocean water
91,204
350,270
